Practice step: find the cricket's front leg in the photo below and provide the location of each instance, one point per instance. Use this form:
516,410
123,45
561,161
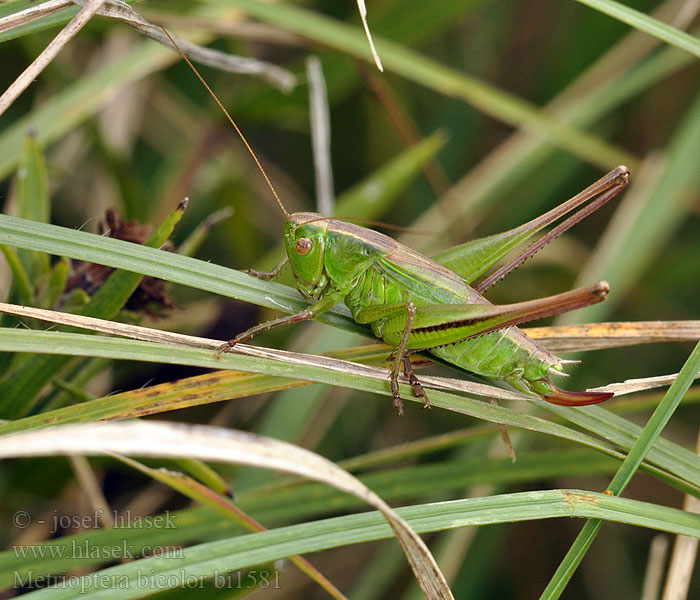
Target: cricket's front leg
322,305
260,327
267,275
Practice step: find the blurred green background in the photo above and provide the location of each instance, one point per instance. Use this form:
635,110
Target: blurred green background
534,100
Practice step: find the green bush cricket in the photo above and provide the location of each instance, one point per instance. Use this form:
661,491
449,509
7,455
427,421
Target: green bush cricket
414,303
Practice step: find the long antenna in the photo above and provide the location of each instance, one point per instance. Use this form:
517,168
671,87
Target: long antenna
228,116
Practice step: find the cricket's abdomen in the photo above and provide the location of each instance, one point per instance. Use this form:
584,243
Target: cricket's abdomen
507,354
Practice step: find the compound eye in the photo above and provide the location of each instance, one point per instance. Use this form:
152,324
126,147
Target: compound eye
303,246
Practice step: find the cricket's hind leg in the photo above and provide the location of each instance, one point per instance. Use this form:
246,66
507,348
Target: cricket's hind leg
418,390
404,363
400,358
394,384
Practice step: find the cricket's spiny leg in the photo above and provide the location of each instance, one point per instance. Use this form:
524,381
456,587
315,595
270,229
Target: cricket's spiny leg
394,384
326,302
398,355
249,333
267,275
418,390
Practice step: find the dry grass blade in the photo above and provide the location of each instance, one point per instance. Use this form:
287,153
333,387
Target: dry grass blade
32,13
49,53
90,487
627,334
630,386
685,552
112,327
120,11
363,15
281,78
630,333
200,493
225,445
655,568
320,135
333,364
597,336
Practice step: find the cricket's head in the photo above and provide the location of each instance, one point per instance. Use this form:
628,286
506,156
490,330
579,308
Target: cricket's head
305,242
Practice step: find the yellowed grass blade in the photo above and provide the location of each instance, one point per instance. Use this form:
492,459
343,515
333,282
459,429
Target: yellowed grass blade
596,336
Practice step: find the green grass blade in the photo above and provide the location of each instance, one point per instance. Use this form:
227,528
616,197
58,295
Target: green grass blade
18,389
627,469
55,285
656,423
163,265
33,200
163,139
20,278
205,560
316,369
624,434
110,297
14,6
373,195
234,447
308,500
647,24
524,156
